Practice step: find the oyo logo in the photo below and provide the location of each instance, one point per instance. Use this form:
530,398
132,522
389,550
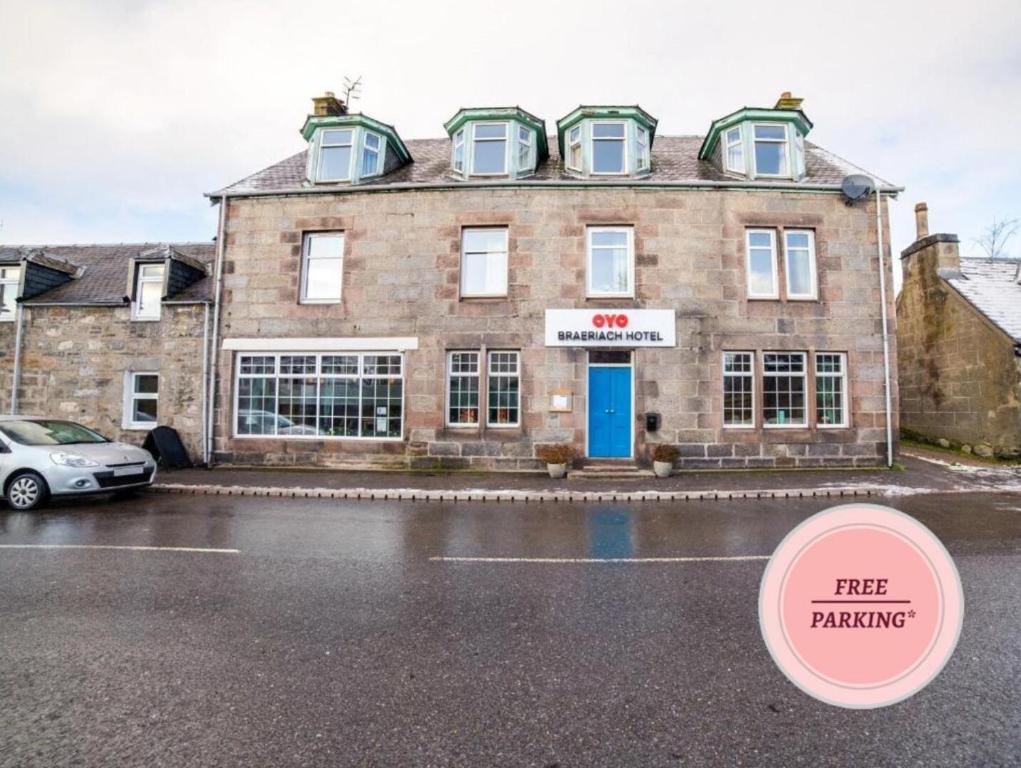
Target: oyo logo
609,321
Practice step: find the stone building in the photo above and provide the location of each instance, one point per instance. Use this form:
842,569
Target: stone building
457,302
112,336
959,346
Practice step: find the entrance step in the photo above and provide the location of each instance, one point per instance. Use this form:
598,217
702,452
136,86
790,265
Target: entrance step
609,471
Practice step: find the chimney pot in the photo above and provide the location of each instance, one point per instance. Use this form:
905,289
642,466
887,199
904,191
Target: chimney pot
328,105
921,221
786,101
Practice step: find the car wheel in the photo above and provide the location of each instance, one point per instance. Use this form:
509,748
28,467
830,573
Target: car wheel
27,490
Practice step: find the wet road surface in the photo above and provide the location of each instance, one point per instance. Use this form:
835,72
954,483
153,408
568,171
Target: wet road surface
328,633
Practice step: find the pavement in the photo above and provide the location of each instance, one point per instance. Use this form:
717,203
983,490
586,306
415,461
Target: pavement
921,472
171,630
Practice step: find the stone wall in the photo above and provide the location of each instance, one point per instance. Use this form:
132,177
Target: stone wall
959,378
74,362
401,277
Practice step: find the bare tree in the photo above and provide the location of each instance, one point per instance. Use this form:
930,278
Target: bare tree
995,237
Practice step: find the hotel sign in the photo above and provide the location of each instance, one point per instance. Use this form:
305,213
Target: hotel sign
611,328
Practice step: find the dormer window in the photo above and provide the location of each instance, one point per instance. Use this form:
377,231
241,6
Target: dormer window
498,141
772,153
346,148
10,278
489,149
733,151
335,155
148,292
760,143
607,141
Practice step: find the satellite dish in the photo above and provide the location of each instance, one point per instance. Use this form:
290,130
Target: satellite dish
856,187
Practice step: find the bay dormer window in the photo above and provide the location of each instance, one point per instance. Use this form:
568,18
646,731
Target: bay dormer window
346,148
496,142
607,141
760,143
147,304
10,279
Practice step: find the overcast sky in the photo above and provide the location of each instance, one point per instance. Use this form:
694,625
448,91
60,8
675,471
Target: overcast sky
117,116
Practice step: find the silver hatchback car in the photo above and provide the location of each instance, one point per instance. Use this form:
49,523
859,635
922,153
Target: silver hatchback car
40,458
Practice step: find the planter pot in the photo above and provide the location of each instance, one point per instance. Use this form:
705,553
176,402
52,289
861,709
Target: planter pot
662,468
557,471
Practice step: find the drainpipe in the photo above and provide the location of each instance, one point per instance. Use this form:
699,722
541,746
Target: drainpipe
205,382
886,330
217,286
16,376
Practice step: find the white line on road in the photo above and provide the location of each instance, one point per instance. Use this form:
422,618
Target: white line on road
598,559
208,550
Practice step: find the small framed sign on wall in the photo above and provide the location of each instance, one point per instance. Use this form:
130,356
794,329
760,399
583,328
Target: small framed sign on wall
560,401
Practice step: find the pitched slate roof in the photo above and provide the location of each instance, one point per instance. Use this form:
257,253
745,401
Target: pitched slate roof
674,160
992,287
104,271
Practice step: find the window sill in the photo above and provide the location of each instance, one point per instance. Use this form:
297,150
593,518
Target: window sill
830,427
145,319
314,302
802,298
139,427
485,297
764,298
610,296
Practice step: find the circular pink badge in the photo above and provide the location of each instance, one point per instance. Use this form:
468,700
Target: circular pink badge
861,606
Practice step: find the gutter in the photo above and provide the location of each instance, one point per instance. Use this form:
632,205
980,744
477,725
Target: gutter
773,186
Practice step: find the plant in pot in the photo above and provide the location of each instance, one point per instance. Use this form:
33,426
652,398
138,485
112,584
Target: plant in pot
663,458
557,457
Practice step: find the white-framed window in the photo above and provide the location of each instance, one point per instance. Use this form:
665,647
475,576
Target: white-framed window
642,146
799,264
335,154
457,152
830,389
772,151
148,292
503,389
609,140
10,279
525,148
463,388
489,149
141,399
372,143
322,268
761,264
320,396
784,389
739,389
733,150
483,262
574,150
611,262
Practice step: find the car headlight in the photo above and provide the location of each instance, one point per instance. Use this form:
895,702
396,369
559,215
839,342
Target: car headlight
72,460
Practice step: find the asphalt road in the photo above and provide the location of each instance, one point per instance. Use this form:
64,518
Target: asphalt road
331,638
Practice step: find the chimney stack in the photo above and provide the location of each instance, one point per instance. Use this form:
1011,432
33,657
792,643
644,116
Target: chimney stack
921,221
328,105
786,101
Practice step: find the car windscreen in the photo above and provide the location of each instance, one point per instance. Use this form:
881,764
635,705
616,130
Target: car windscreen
46,432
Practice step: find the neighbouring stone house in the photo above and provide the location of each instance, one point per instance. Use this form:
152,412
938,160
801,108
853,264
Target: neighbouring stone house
112,336
457,302
959,346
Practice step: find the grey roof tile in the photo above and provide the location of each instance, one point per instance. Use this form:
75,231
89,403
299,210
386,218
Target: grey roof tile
992,287
674,159
105,275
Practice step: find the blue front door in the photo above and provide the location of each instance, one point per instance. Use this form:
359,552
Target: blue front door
609,412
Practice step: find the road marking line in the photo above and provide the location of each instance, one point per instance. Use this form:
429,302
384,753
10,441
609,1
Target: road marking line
210,550
733,558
